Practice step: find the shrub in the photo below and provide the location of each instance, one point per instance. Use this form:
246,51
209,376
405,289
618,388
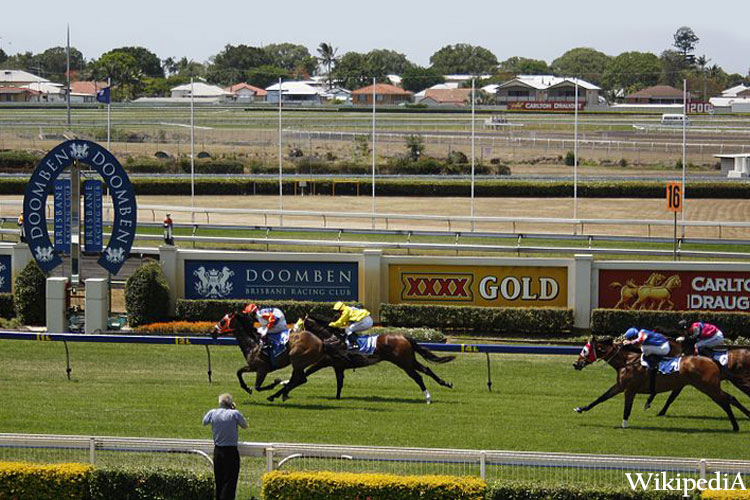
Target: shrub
213,166
414,146
7,308
176,328
459,158
348,486
147,295
511,490
570,158
21,480
480,320
214,310
623,162
30,304
617,321
146,484
19,160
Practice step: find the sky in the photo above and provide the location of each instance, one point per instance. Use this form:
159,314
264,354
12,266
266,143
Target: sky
542,29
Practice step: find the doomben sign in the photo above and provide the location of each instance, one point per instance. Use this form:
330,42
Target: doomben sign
499,286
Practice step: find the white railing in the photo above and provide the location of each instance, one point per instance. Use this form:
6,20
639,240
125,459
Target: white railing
483,463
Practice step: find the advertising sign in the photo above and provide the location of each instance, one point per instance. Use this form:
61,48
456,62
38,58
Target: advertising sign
6,284
263,280
546,105
674,290
62,215
496,286
92,216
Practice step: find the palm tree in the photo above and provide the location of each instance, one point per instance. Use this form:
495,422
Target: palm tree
327,58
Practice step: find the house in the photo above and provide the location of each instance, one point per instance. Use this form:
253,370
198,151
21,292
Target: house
736,91
457,98
85,91
48,91
385,94
337,94
201,91
293,93
244,92
546,93
438,86
18,78
17,94
659,94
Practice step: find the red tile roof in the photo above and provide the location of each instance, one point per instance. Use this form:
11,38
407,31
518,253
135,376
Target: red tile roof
657,91
89,88
458,96
240,86
382,88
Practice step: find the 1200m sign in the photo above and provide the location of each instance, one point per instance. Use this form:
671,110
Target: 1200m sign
504,286
316,281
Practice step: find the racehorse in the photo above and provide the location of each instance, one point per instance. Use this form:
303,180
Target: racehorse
633,378
397,349
303,350
737,371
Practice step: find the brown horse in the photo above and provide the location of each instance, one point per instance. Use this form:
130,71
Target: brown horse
737,371
303,350
397,349
632,378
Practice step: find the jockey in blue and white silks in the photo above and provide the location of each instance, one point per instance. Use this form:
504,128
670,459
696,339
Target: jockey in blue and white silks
652,343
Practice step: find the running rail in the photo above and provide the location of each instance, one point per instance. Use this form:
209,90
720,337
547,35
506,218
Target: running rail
207,341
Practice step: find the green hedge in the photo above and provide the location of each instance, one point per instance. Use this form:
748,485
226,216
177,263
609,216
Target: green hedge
29,304
220,166
147,295
508,490
147,484
617,321
24,480
214,310
481,320
7,308
19,160
280,485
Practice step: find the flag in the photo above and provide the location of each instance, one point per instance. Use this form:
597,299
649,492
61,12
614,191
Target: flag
103,95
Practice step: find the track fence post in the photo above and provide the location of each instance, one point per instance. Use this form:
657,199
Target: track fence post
269,459
702,467
92,451
483,464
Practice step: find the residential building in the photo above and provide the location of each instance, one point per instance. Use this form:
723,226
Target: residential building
201,91
17,94
385,94
244,92
659,94
48,91
736,91
293,93
337,94
546,93
18,78
456,98
85,91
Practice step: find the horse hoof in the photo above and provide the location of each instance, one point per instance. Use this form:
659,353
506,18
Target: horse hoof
282,382
284,397
449,385
660,414
624,424
277,381
578,409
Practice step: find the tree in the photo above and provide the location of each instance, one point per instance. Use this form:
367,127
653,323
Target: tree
3,56
463,58
418,78
389,62
525,66
672,64
52,63
632,71
147,295
353,71
21,60
266,75
122,69
230,65
146,61
29,294
291,57
169,65
189,68
582,62
327,57
685,40
414,146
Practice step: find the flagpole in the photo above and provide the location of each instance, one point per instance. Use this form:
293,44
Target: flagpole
575,155
67,58
684,150
473,154
281,167
109,104
374,207
192,151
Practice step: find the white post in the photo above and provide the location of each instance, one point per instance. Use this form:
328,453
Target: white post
473,155
96,305
109,104
57,299
374,208
192,151
684,150
281,186
575,157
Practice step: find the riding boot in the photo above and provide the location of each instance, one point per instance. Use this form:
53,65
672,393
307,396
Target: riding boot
652,382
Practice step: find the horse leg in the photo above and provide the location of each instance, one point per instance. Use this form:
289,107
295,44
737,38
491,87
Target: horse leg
611,392
722,399
738,405
672,396
297,378
629,397
428,371
418,379
742,385
260,377
244,369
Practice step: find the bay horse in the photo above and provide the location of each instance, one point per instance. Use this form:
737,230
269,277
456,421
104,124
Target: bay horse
303,350
400,350
632,378
737,371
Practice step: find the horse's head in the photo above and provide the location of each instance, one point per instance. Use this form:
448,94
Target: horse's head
595,349
226,325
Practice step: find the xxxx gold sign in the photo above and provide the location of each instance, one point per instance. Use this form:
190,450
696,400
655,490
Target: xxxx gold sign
509,286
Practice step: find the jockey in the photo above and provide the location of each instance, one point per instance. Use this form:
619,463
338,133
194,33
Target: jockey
352,320
271,320
706,335
653,345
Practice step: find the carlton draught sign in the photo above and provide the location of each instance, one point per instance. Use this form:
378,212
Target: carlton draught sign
674,290
498,286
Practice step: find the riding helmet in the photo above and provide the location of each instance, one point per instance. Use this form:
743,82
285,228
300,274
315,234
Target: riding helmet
338,305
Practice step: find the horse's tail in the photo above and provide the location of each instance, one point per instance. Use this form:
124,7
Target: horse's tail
616,284
428,354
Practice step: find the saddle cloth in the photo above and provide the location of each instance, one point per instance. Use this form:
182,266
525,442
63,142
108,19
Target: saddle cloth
367,344
666,366
279,342
721,357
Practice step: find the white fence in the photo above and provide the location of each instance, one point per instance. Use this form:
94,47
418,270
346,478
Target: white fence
260,457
